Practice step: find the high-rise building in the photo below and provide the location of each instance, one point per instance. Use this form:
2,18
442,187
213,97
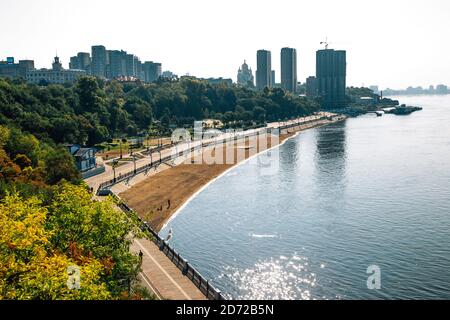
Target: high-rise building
331,72
264,69
117,63
99,61
82,61
74,63
245,76
140,70
85,61
311,87
131,65
152,71
289,69
441,89
272,79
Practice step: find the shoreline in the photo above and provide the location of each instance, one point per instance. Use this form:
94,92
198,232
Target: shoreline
184,182
204,187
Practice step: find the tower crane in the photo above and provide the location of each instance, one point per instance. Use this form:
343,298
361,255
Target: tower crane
326,43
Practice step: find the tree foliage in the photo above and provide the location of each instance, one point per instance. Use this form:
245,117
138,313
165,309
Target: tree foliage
40,241
92,111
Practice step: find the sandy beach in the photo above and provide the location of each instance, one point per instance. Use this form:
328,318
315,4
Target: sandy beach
158,197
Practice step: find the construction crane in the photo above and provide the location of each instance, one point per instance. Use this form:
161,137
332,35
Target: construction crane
326,43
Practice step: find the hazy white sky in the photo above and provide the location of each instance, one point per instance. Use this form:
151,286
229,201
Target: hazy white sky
391,43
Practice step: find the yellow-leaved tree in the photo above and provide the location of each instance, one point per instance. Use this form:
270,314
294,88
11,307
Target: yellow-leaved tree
29,267
68,247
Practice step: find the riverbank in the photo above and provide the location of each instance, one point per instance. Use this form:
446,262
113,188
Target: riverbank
157,198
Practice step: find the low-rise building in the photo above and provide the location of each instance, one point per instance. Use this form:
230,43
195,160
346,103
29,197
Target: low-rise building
367,101
84,157
311,87
10,69
218,81
56,75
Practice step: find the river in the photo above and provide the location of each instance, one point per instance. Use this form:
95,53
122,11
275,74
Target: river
367,191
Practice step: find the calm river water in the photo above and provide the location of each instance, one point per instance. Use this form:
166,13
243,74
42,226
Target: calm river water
367,191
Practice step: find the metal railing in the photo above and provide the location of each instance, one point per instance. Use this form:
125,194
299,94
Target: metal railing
210,292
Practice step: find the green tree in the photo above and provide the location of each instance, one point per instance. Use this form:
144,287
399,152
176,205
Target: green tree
80,226
60,165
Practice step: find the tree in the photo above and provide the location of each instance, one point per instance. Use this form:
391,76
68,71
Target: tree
20,143
141,112
89,95
259,114
60,165
29,269
82,227
165,119
41,242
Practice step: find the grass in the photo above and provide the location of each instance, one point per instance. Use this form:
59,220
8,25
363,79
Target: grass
112,150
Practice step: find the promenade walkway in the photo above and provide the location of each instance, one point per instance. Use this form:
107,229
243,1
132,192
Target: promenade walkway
162,276
95,181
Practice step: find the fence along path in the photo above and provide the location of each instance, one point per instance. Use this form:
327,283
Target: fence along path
166,272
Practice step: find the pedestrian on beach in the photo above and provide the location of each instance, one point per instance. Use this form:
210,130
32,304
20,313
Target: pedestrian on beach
168,204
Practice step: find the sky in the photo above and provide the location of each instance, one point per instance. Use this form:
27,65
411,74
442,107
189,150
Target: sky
390,43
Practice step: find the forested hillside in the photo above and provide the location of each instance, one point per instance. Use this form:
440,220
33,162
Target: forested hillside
92,111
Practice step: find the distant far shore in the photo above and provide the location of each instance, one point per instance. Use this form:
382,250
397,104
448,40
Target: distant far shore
158,197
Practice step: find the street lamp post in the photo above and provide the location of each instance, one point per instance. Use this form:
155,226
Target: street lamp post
151,157
159,145
115,163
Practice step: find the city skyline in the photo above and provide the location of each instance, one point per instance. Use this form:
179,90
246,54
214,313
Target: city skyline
83,61
377,55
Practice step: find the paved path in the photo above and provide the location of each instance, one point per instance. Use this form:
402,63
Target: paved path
108,174
162,276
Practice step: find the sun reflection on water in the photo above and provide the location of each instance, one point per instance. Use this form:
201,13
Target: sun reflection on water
282,278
